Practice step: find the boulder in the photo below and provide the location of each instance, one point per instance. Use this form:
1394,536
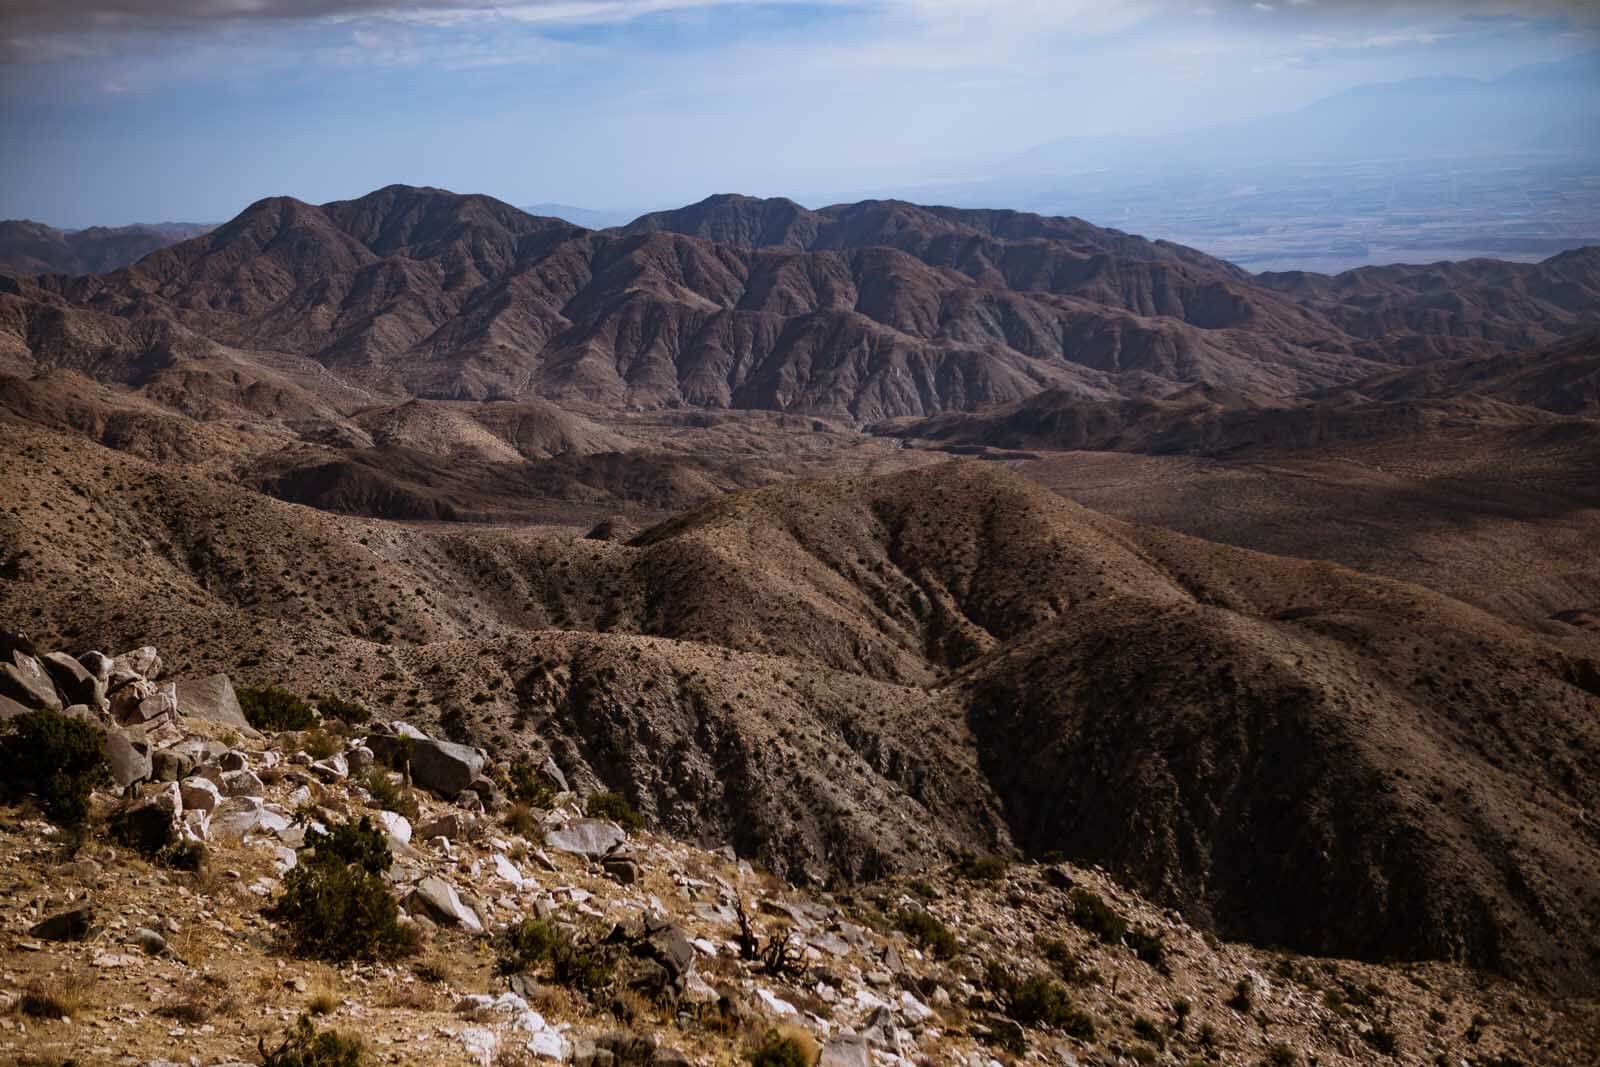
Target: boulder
359,759
126,699
120,677
98,664
10,709
238,816
73,924
440,900
170,766
200,794
24,680
488,793
241,784
233,760
455,826
445,767
74,681
145,661
330,770
622,869
395,825
129,757
150,824
553,776
212,698
591,838
846,1050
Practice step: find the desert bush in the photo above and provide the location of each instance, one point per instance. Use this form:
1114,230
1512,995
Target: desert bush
53,998
391,796
1148,1030
787,1046
1093,914
520,819
1149,946
983,868
1281,1055
539,946
1039,1000
1244,996
335,902
348,711
525,783
273,709
928,932
1382,1038
614,806
55,759
305,1046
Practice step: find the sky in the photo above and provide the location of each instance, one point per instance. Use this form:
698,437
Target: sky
115,111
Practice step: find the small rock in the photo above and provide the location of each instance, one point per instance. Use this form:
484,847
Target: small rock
151,942
395,825
242,784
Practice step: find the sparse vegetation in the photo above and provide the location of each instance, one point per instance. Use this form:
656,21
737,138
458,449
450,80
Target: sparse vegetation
785,1046
983,868
1150,946
389,794
928,932
1244,996
273,709
335,903
1093,914
524,783
306,1046
55,759
346,711
53,998
1038,1000
539,946
614,806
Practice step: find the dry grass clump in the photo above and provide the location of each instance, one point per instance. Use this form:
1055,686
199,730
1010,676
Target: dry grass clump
325,999
56,997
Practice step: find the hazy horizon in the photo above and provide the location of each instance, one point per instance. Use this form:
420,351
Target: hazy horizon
117,111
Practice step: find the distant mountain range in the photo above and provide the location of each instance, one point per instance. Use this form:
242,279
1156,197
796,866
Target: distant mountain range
868,311
34,248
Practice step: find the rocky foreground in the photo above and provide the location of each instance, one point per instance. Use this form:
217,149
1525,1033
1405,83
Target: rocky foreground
151,935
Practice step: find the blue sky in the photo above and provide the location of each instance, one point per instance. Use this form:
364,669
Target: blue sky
113,111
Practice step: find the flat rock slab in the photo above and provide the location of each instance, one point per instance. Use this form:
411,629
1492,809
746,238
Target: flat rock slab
441,901
212,698
586,837
24,679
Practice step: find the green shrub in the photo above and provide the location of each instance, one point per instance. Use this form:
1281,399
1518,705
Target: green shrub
56,759
348,711
539,946
274,710
1244,996
928,932
1068,965
390,795
983,868
1151,947
614,806
305,1046
1087,910
335,902
782,1049
1039,1000
525,783
1146,1030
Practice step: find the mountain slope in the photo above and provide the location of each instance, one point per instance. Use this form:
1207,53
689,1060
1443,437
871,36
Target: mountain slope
821,671
873,310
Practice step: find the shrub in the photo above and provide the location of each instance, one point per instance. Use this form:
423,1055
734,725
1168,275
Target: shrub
1039,1000
928,932
983,868
520,820
525,783
614,806
1281,1055
1383,1039
344,710
787,1046
274,709
53,998
1151,947
389,795
1244,996
335,901
1069,967
305,1046
55,758
540,946
1087,910
1181,1009
1146,1030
